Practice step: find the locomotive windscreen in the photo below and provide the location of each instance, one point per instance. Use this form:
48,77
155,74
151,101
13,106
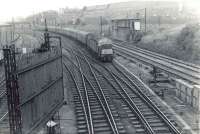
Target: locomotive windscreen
104,41
107,46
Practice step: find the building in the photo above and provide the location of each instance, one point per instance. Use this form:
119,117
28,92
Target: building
126,29
6,34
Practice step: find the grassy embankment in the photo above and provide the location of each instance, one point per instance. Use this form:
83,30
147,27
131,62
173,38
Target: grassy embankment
182,42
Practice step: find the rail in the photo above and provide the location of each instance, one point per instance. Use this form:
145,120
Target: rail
175,70
3,117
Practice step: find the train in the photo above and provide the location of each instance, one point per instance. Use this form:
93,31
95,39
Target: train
100,48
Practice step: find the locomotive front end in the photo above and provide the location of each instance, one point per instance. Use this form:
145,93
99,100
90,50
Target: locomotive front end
105,49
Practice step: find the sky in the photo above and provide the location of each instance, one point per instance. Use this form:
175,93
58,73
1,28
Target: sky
16,8
21,8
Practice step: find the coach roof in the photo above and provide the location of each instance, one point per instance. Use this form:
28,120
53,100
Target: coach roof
77,31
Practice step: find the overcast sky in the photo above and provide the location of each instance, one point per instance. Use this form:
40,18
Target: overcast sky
16,8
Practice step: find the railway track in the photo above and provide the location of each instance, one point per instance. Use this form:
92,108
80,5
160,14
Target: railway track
99,115
171,60
143,99
133,110
177,68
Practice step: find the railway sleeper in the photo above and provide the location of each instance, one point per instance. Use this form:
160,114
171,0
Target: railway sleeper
111,107
84,126
98,92
137,122
159,124
152,118
140,131
161,129
80,118
139,100
78,108
101,78
93,103
82,131
78,102
116,96
147,110
103,130
119,126
83,122
92,110
95,99
94,86
97,117
148,113
132,95
93,113
144,114
102,124
103,120
142,106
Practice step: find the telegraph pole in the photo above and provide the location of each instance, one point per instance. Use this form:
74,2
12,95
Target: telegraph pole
46,45
12,29
0,37
159,20
145,19
46,36
100,25
6,36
